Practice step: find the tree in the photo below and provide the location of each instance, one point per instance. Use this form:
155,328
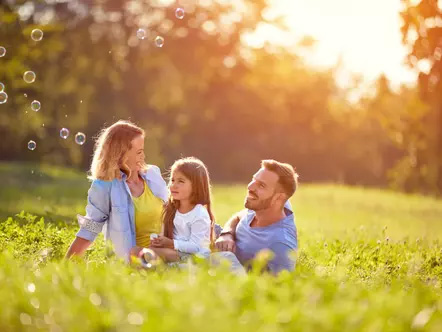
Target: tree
422,33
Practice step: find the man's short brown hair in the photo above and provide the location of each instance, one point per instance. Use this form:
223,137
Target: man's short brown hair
288,178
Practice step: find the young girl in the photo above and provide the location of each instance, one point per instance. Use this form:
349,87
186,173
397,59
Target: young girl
187,217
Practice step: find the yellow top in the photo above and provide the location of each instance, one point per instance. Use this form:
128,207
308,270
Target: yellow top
148,209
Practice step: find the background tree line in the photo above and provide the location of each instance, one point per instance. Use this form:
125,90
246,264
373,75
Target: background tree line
209,94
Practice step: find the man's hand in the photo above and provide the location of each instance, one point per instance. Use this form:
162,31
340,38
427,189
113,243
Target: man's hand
225,243
162,242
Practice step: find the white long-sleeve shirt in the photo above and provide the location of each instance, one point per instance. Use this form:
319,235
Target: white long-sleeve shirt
191,232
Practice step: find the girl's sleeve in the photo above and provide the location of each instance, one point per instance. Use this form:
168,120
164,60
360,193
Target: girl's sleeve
199,237
97,210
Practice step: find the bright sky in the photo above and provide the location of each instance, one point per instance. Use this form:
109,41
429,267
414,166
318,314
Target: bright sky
365,34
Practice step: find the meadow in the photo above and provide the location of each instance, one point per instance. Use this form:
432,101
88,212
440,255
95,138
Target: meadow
368,260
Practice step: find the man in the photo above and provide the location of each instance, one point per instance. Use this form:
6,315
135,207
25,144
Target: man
267,222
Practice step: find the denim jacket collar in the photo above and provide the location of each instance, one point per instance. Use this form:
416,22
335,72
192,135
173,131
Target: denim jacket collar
153,178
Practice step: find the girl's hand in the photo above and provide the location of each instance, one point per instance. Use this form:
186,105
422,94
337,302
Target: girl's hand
162,242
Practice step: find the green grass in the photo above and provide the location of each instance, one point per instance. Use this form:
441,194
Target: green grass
368,260
52,192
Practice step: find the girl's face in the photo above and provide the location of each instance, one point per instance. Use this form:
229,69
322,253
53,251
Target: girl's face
180,187
135,156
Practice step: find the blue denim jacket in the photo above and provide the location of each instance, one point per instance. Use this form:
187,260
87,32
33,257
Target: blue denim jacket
110,210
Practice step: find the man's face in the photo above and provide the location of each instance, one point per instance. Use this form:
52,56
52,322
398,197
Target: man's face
261,190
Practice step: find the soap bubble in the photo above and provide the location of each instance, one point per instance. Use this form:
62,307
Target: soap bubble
37,34
32,145
29,77
2,51
2,87
36,105
179,13
159,41
3,97
141,34
80,138
64,133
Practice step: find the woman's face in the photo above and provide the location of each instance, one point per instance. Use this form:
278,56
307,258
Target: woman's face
135,156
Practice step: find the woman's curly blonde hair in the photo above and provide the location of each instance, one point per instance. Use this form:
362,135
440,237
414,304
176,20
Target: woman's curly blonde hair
111,146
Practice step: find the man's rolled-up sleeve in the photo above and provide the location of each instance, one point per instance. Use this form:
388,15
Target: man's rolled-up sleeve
97,211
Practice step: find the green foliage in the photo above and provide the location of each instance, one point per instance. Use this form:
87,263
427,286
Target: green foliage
368,260
53,192
422,34
339,284
30,238
205,93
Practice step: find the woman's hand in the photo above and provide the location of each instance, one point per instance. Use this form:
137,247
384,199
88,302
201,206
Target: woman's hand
78,247
162,242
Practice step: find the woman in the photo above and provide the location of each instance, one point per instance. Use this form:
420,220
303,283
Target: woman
126,196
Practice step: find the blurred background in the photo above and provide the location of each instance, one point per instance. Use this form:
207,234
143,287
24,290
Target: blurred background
348,91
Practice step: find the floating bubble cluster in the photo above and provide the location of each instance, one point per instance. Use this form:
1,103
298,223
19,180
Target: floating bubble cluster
30,77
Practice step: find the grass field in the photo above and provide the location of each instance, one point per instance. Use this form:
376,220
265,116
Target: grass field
368,260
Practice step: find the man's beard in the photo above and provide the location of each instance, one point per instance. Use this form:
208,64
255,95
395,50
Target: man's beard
258,204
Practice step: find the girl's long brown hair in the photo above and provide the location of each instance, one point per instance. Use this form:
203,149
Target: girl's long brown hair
194,170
